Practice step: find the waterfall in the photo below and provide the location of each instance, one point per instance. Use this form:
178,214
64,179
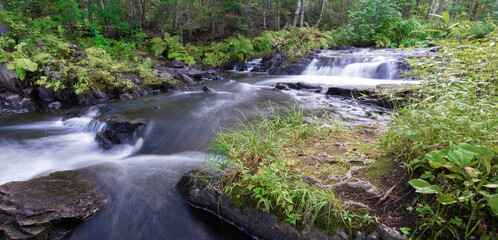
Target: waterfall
357,65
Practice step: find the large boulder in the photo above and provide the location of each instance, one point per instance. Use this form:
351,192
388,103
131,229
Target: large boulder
10,80
48,207
119,130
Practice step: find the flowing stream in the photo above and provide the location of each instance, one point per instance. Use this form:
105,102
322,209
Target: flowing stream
141,177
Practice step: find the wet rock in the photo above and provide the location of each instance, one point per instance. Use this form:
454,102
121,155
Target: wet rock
184,78
435,49
55,105
383,96
208,89
75,47
10,80
239,66
48,207
119,130
125,96
271,61
299,86
200,192
176,64
388,233
211,75
278,64
349,92
52,74
13,101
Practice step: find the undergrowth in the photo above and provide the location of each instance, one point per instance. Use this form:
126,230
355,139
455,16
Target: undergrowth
250,161
448,137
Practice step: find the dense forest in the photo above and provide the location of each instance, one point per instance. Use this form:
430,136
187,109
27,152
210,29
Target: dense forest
439,144
196,20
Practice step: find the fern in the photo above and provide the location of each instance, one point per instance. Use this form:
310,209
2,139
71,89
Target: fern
21,66
158,46
97,57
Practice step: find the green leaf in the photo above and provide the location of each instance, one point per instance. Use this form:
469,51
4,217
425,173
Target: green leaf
422,186
466,196
445,199
491,185
493,204
472,172
485,193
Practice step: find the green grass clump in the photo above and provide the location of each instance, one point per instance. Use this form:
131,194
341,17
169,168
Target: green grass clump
449,137
250,160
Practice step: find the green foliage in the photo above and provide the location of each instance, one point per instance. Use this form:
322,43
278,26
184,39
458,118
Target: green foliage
97,57
174,47
250,160
449,135
373,20
21,66
241,48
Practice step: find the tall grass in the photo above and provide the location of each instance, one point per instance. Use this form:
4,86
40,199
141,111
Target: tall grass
250,159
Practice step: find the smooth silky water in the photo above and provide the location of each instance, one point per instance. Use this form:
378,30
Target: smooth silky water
141,177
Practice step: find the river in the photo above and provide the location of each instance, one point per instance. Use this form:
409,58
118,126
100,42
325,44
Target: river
141,177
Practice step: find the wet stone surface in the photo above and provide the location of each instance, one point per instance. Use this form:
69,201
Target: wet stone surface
50,206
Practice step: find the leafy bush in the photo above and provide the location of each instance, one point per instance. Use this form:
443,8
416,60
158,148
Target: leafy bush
448,135
174,47
373,20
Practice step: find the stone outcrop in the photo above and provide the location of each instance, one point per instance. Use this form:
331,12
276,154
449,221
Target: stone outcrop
48,207
11,81
299,86
200,192
119,130
279,64
386,96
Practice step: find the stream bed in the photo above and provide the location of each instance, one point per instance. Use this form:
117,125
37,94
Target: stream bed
141,177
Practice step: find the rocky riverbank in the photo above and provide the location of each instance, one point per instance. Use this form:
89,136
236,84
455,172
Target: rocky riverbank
171,76
49,207
317,163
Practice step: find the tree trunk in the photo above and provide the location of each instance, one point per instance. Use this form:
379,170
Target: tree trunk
265,4
188,23
213,20
278,15
177,15
303,6
408,9
296,14
429,10
3,29
324,4
441,7
90,13
130,16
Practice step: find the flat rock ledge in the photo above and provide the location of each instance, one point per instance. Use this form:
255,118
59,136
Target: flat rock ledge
199,192
48,207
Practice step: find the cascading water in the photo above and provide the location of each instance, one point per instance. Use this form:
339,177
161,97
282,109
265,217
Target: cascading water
373,64
248,66
141,179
